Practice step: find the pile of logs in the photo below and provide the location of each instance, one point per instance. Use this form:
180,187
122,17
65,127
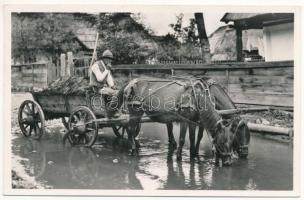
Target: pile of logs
67,86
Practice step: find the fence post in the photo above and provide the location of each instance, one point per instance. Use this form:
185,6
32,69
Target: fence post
62,65
227,79
51,72
70,64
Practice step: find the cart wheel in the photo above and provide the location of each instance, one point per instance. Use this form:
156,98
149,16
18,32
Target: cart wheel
65,123
120,130
83,129
31,119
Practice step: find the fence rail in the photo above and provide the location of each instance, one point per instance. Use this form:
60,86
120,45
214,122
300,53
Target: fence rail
207,66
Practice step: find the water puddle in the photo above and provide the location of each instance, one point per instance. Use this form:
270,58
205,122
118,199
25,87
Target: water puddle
108,165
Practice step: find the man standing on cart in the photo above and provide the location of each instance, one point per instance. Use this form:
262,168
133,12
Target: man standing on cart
103,82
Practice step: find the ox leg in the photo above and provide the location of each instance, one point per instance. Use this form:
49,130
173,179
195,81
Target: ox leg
199,138
192,129
131,136
182,135
172,142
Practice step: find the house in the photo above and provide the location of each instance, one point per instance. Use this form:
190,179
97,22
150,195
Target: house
278,33
86,38
223,45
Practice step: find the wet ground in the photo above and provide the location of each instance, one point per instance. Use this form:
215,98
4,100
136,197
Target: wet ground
109,166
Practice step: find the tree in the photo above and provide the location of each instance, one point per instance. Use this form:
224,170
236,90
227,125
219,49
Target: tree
125,37
190,35
188,47
178,31
47,33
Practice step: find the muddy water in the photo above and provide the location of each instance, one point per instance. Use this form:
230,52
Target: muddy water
109,166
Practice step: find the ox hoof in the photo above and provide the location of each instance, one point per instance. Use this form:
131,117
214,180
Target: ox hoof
134,152
137,144
192,157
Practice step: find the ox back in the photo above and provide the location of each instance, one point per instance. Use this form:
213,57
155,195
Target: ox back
167,100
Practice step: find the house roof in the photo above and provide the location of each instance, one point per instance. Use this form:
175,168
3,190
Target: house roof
219,29
257,20
86,37
237,16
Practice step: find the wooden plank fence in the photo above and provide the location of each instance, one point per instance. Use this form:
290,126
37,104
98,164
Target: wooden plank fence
253,83
26,77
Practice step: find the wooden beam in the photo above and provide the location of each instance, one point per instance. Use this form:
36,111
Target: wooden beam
239,42
210,66
205,47
242,110
270,129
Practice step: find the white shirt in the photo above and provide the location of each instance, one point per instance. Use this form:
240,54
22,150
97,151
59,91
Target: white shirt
100,76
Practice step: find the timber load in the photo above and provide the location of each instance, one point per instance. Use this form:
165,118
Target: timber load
73,85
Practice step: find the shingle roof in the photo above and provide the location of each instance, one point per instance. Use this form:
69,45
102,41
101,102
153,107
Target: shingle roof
259,17
87,37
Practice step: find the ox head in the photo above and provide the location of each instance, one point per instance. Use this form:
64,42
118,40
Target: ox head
223,142
241,137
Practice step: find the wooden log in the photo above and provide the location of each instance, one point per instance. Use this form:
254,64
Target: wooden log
270,129
242,110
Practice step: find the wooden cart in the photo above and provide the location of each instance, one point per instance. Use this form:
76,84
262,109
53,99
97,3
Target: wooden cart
83,115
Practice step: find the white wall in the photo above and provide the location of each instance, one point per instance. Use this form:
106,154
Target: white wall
279,42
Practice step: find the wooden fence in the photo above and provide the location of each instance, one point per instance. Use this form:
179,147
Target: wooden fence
254,83
26,77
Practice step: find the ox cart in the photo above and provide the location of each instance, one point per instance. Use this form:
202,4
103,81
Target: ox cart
83,115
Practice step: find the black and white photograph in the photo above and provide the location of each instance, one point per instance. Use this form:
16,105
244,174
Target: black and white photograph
143,101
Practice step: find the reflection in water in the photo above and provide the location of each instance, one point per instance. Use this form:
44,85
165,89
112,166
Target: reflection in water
176,176
36,156
89,169
83,166
109,166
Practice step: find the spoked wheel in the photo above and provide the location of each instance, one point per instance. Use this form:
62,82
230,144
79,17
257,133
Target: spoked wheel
120,130
31,119
65,122
83,129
